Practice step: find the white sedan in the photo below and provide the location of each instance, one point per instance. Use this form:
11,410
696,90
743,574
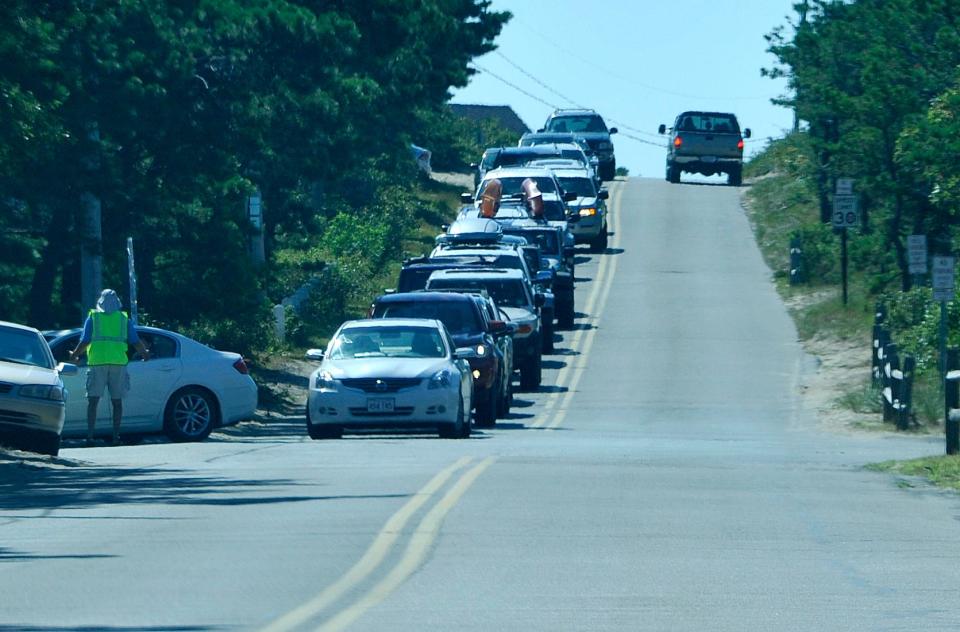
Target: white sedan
185,390
391,373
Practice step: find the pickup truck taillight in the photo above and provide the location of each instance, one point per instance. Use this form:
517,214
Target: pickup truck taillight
740,144
677,141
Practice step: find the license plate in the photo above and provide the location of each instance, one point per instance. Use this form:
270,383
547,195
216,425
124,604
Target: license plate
380,405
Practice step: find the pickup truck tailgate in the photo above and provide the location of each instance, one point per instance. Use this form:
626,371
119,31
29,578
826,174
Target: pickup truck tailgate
708,145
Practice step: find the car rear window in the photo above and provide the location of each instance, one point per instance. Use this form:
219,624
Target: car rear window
584,123
716,123
459,316
506,293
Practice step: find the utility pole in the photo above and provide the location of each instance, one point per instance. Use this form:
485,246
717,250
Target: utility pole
91,236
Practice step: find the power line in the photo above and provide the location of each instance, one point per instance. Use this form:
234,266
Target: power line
632,80
513,85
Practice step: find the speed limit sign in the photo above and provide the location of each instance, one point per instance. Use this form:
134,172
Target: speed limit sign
845,211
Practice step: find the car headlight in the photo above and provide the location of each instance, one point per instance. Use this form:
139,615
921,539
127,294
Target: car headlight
440,379
325,381
588,211
42,391
481,350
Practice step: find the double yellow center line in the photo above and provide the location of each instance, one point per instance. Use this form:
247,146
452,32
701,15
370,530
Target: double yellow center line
555,409
420,541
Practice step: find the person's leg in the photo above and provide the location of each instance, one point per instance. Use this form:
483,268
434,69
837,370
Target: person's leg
92,403
117,416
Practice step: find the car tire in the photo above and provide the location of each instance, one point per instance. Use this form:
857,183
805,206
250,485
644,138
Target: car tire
735,177
190,415
506,399
673,174
531,372
567,313
458,430
599,244
609,171
47,443
546,341
325,431
486,413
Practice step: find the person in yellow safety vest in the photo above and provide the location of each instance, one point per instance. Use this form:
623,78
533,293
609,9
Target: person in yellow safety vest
106,334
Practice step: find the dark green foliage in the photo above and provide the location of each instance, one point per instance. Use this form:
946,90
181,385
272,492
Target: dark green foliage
196,104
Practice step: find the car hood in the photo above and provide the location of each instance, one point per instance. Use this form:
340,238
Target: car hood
384,367
468,340
26,374
582,202
519,314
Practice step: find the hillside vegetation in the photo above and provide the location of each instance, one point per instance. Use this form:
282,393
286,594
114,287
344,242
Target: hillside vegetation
171,113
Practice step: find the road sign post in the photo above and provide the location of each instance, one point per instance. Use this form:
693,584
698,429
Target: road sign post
845,215
942,277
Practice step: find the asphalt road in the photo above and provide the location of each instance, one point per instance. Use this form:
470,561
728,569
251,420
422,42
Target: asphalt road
667,477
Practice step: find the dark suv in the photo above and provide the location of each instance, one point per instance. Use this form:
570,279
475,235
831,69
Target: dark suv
469,326
590,126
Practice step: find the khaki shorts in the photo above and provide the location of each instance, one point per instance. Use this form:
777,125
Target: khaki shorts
113,377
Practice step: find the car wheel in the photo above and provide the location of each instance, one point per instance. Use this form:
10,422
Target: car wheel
673,174
609,171
486,414
567,313
457,430
322,431
546,342
47,443
506,399
191,415
600,243
531,372
735,177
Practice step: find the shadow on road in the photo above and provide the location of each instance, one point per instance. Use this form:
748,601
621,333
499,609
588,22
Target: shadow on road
553,364
9,555
83,487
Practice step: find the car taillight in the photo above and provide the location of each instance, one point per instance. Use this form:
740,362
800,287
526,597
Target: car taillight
677,141
740,144
241,367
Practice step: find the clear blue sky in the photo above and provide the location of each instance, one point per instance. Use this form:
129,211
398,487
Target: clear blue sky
639,63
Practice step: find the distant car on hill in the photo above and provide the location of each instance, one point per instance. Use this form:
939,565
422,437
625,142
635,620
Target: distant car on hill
707,143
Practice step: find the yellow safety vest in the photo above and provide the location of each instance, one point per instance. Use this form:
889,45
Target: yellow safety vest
108,344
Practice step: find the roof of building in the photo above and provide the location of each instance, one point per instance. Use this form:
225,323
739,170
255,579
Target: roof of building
503,114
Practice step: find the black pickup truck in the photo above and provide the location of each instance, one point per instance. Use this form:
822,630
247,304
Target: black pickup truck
706,143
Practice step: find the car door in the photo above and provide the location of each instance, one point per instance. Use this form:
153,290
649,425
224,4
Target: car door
75,417
151,382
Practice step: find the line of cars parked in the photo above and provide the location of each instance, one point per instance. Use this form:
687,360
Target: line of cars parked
483,305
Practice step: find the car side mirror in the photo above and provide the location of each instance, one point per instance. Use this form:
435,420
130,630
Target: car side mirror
569,196
466,198
613,130
498,327
315,355
539,300
65,368
662,129
474,165
466,353
747,133
603,194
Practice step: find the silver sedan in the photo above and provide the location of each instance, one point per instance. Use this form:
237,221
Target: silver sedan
390,373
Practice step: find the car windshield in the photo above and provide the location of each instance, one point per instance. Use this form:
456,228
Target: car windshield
18,346
513,185
585,123
583,187
387,342
554,210
506,292
459,316
546,240
716,123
